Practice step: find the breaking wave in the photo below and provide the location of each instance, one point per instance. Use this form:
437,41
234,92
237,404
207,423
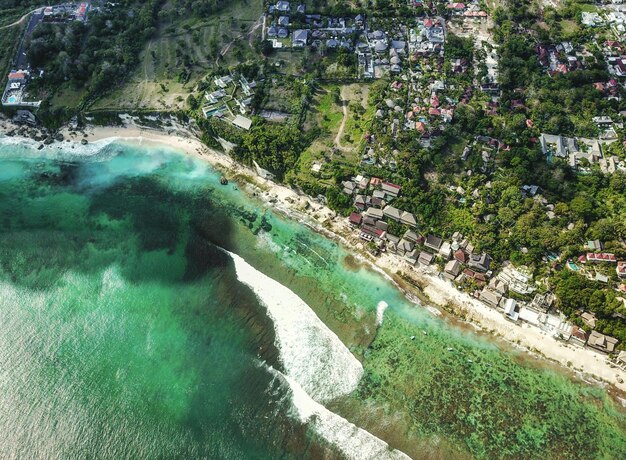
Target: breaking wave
318,366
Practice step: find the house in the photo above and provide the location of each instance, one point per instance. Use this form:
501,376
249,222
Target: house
497,285
490,298
579,336
433,242
300,38
355,218
282,7
589,319
405,246
480,262
601,257
511,309
408,219
215,96
392,213
621,269
412,257
283,21
478,278
453,268
224,81
375,213
242,122
621,358
348,187
594,245
425,258
460,256
362,202
411,236
602,342
445,250
391,190
282,33
542,302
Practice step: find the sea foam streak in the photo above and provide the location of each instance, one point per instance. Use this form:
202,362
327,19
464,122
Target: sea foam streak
355,443
318,366
311,353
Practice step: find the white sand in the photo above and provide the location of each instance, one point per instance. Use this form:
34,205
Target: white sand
326,221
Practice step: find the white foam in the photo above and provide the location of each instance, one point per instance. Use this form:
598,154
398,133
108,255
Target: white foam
312,355
355,443
380,311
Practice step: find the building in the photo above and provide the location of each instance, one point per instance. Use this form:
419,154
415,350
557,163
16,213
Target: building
445,250
425,258
511,309
579,336
300,38
453,268
375,213
480,262
491,298
408,219
392,213
355,218
602,342
542,302
589,319
621,269
391,190
601,257
282,7
433,242
497,285
242,122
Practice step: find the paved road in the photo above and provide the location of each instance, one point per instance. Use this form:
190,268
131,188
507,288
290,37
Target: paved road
21,61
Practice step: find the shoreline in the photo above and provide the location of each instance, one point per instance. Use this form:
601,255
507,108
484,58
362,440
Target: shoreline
437,294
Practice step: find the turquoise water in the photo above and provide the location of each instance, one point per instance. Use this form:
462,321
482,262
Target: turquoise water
126,331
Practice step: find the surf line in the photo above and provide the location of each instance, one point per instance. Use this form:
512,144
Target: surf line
318,366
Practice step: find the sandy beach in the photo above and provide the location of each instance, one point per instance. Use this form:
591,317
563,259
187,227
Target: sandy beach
592,366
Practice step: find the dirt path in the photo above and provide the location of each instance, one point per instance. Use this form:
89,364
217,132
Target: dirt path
20,20
344,107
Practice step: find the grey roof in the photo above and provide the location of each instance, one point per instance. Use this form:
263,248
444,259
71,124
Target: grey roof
301,35
392,212
433,241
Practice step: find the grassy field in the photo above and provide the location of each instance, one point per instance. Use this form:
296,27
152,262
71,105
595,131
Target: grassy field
341,146
201,45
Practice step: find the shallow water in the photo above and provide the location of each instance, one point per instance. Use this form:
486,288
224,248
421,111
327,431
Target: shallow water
125,330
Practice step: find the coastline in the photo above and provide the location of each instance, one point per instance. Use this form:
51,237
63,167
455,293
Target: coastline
584,361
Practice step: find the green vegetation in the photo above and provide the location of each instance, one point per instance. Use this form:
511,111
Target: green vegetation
485,400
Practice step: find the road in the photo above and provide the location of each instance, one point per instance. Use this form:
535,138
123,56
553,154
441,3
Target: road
21,60
19,21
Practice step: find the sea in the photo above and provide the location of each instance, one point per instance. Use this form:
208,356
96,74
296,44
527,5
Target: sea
147,311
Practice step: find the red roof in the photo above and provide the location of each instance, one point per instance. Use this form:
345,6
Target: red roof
389,184
434,111
355,218
428,23
17,75
601,257
460,255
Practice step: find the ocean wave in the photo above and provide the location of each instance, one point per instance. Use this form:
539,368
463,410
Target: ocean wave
354,443
68,151
312,355
380,312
